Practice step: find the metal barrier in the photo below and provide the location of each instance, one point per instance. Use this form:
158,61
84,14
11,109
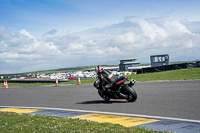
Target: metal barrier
31,81
37,81
170,67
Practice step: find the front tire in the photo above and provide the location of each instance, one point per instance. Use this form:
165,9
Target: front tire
131,93
104,97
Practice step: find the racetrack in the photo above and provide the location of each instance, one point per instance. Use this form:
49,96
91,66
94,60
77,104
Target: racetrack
178,99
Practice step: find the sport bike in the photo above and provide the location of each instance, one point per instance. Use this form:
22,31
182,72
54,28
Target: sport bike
119,89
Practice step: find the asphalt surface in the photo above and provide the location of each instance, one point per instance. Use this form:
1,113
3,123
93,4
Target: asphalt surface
178,99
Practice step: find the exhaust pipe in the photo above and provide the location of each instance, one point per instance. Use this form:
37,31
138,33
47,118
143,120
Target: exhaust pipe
132,83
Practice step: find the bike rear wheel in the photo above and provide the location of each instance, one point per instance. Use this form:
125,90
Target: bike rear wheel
130,92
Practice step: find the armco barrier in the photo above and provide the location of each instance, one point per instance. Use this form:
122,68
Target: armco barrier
170,67
37,81
30,81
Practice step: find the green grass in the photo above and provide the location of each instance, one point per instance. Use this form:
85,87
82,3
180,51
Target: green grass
27,123
86,81
181,74
26,84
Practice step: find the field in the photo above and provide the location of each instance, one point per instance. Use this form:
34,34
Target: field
181,74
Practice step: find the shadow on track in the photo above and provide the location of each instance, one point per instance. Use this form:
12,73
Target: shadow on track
101,102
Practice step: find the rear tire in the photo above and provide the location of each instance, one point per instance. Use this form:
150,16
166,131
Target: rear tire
131,93
104,97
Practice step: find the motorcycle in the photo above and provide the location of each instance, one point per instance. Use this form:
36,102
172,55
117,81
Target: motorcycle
119,90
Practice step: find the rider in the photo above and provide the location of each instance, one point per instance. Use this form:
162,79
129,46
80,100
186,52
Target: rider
106,77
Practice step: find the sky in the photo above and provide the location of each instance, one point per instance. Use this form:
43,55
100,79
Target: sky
48,34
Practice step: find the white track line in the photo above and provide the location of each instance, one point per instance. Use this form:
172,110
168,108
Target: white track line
109,113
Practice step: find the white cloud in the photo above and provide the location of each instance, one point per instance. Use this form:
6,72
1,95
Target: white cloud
175,27
149,29
128,38
133,38
26,33
51,32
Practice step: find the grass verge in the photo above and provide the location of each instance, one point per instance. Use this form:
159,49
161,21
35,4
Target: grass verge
26,123
26,84
181,74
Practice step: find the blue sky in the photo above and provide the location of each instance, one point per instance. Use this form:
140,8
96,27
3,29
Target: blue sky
46,34
73,15
38,16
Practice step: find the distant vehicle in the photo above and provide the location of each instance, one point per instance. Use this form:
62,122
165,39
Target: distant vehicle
64,80
72,77
89,75
117,73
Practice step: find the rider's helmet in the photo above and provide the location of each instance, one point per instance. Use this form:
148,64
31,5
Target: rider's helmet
99,69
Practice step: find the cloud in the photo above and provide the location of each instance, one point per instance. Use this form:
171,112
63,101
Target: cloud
27,34
51,32
132,38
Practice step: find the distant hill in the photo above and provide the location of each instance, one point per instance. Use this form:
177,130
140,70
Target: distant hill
70,69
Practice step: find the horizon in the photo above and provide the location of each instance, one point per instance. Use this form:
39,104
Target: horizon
86,66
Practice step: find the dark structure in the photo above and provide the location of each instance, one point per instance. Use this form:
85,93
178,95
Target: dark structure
170,67
159,60
126,63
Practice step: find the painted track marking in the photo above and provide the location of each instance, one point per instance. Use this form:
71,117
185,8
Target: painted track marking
162,123
19,110
116,119
109,113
